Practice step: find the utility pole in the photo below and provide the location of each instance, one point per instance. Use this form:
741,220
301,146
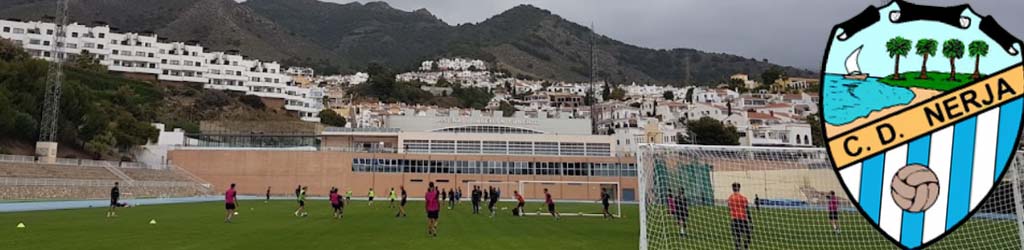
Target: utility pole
46,147
593,97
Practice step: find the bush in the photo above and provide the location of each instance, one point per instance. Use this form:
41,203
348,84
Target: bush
253,101
213,99
330,118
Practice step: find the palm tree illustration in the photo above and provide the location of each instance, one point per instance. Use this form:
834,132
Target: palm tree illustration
897,47
925,48
953,49
977,49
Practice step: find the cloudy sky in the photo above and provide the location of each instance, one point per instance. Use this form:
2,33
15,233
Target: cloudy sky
789,32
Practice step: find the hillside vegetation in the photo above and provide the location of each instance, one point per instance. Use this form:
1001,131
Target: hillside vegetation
331,37
103,115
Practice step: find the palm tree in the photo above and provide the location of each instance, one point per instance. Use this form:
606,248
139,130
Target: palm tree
977,49
897,47
953,49
925,48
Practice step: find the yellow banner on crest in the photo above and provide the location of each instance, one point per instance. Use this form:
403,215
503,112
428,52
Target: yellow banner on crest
923,118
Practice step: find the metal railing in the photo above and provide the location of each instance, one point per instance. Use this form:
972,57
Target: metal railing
79,162
18,181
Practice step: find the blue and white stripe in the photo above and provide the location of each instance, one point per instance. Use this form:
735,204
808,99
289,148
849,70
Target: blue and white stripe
967,158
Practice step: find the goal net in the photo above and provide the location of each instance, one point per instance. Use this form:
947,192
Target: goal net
572,198
684,190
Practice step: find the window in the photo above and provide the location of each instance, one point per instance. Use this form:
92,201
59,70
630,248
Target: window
417,146
72,46
573,149
103,35
599,149
99,46
520,148
442,146
74,34
89,45
7,29
46,43
140,53
126,53
494,147
34,41
150,55
19,31
546,148
49,32
467,147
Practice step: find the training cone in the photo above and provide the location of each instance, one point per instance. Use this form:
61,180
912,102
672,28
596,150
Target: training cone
152,222
21,225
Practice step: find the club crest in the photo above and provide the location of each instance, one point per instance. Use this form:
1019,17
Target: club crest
921,108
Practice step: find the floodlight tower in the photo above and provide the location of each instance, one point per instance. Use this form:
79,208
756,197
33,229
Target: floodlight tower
46,147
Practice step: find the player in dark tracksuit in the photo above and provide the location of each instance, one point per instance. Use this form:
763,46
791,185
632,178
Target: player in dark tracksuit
115,195
475,198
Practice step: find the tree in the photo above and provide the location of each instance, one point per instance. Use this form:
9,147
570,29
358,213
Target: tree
817,135
88,62
738,85
897,47
926,48
708,131
669,95
102,145
770,75
330,118
977,49
507,110
953,49
618,94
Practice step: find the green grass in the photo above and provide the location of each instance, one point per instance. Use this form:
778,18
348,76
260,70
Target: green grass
272,226
804,229
936,80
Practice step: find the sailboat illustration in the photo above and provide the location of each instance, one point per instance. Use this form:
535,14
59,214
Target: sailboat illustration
853,66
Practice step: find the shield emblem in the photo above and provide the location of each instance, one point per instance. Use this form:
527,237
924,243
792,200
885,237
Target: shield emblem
921,109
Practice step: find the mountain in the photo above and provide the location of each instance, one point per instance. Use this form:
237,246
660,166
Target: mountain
217,24
331,37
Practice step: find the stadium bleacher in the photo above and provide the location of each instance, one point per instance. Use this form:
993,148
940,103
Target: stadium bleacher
27,180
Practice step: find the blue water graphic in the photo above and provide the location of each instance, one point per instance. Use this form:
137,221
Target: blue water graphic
846,100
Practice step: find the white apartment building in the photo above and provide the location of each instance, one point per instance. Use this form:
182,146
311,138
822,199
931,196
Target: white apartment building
146,54
446,64
300,71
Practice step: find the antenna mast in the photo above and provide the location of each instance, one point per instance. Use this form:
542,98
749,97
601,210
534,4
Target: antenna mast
593,68
47,144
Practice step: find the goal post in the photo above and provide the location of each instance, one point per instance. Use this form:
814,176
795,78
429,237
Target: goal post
583,198
683,192
506,188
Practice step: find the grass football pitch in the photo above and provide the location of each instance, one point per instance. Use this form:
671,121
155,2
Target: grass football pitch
273,226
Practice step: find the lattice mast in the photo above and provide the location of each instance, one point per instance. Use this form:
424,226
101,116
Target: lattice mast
54,77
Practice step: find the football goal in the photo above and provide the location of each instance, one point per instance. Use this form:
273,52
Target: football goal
684,192
572,198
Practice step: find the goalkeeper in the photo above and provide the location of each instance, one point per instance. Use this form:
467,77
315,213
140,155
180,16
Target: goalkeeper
739,212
